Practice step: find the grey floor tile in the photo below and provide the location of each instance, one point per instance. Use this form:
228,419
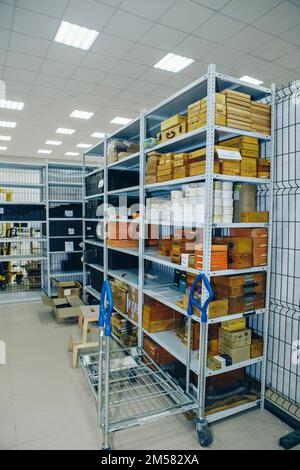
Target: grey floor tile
8,437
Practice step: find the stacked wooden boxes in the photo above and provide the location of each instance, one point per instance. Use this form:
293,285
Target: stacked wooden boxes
120,293
172,127
158,317
133,303
264,168
219,257
261,118
228,166
195,335
197,112
259,238
165,169
257,346
245,292
249,150
238,109
235,344
122,234
151,167
181,245
255,217
181,168
197,163
164,247
239,251
157,353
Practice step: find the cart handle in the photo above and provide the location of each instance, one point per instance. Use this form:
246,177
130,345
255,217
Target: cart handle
106,308
193,302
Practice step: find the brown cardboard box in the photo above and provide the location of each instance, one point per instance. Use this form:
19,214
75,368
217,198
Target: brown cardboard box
157,317
172,122
235,244
150,179
199,168
249,167
257,346
234,339
68,288
67,308
172,133
253,217
250,232
218,308
231,167
234,325
245,199
237,354
157,353
240,261
120,296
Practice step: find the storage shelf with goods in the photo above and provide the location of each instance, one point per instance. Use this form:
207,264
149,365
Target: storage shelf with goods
190,184
22,237
64,224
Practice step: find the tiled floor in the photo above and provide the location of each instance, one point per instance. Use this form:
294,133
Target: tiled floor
44,404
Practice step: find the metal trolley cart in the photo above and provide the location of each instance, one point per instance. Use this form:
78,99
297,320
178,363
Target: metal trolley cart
130,388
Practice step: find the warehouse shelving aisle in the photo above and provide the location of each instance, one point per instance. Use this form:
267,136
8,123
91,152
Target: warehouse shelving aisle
22,223
64,224
148,274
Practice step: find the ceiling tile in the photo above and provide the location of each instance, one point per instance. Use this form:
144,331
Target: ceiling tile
24,61
129,69
52,8
111,45
250,64
4,36
44,91
105,91
21,75
116,81
99,62
66,54
78,86
179,81
248,39
59,69
6,16
248,11
28,44
186,16
194,47
151,10
274,49
293,35
222,56
161,36
89,14
132,96
156,76
145,55
214,4
196,70
31,23
142,86
290,60
88,75
128,26
164,92
280,19
50,80
219,28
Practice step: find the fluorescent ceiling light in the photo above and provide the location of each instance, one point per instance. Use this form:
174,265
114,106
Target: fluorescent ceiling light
253,81
8,124
5,137
173,63
121,120
3,148
72,154
75,36
98,135
44,151
63,130
84,146
8,104
53,142
81,114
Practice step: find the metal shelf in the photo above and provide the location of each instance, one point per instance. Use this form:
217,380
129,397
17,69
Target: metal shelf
94,172
213,321
242,225
63,201
23,221
125,316
57,274
12,203
241,179
223,132
130,162
93,292
21,185
240,365
95,266
128,276
65,219
64,183
66,237
93,242
170,185
132,189
128,251
64,252
22,258
94,196
22,240
185,142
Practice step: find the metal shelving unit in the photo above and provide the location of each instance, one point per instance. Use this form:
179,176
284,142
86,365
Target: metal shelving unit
22,191
162,290
64,204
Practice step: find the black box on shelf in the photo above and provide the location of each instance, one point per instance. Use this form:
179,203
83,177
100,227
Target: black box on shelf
118,260
94,255
73,263
65,229
65,211
19,212
94,208
94,184
94,231
96,279
69,245
119,179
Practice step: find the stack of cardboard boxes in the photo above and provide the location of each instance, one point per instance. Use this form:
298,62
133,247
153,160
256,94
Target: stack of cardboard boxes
197,112
235,343
122,234
259,237
249,150
182,245
151,167
261,118
181,169
264,168
219,257
239,251
158,317
238,109
172,127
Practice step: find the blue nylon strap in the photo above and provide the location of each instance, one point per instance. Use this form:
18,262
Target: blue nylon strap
193,302
106,308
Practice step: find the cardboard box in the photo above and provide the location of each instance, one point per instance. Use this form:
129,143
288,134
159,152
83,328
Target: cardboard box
231,167
250,232
237,355
68,288
158,317
199,168
67,308
257,346
150,179
253,217
157,353
234,325
235,244
218,308
249,167
172,133
234,339
216,362
172,122
240,261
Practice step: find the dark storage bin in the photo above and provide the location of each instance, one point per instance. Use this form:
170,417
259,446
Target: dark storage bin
58,244
73,263
121,260
22,212
94,255
94,184
94,231
94,209
66,211
65,228
96,279
119,179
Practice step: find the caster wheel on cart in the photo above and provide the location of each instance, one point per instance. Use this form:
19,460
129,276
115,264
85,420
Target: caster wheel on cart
205,437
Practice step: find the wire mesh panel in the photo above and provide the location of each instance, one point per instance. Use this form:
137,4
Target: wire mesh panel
283,365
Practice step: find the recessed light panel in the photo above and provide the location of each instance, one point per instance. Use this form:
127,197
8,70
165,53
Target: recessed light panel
121,121
72,154
81,114
63,130
5,137
251,80
75,36
15,105
173,63
3,148
84,146
53,142
8,124
98,135
46,152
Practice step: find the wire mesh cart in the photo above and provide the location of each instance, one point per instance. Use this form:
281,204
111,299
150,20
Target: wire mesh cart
129,387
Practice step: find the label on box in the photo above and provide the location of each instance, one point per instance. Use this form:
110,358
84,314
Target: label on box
228,154
67,292
68,213
69,246
101,184
71,231
1,210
